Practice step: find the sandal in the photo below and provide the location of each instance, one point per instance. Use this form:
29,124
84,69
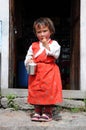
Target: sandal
35,117
45,118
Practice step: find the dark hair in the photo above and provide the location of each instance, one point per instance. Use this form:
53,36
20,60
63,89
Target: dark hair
44,21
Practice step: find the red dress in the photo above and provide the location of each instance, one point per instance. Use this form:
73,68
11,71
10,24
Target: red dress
44,88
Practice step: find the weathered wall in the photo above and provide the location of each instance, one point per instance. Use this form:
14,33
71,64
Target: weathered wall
4,17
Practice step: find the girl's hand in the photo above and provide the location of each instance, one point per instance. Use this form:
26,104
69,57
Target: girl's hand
45,43
29,61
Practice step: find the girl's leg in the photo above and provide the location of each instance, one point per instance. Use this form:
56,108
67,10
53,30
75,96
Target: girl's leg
47,113
48,110
38,109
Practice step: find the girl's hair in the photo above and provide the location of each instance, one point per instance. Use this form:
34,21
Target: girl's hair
46,22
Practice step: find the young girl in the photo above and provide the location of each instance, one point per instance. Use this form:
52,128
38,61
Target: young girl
45,87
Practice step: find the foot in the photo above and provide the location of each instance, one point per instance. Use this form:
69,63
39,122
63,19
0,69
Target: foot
45,118
35,117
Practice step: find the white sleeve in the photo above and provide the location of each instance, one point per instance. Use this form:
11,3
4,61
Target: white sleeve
54,49
28,55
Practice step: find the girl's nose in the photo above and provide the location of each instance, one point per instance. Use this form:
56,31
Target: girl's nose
42,33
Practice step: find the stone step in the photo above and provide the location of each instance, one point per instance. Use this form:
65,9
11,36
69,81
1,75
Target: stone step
20,120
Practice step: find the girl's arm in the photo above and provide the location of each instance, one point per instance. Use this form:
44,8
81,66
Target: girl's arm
54,49
29,55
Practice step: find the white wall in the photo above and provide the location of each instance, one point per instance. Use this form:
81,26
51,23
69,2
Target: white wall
83,45
4,17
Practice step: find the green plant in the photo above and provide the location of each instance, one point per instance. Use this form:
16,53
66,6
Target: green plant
75,110
11,103
85,104
0,94
0,100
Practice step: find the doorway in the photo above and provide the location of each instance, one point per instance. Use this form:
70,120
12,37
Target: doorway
63,18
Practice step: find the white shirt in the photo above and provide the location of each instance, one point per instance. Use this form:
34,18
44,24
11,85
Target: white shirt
54,51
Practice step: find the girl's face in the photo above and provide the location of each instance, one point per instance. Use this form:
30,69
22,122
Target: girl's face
42,32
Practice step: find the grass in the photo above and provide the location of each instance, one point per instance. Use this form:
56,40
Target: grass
11,103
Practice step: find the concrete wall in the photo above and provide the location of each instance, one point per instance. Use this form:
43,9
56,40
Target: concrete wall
4,17
83,45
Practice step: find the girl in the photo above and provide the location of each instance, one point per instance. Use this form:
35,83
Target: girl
44,88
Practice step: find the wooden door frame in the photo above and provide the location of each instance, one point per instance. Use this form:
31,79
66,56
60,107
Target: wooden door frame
12,59
11,44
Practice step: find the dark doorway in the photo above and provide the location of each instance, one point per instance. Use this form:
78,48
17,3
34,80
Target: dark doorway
25,14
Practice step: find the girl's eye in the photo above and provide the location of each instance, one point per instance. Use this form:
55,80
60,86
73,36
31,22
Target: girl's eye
42,31
38,32
45,31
